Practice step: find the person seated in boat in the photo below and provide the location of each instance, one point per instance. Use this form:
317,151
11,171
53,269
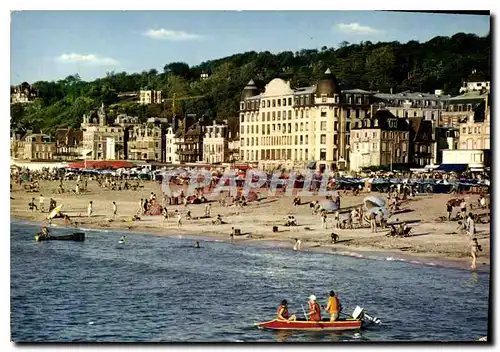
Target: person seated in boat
123,238
333,306
314,309
283,312
197,244
45,232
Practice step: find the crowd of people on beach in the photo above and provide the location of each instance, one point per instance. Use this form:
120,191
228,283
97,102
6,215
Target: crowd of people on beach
353,218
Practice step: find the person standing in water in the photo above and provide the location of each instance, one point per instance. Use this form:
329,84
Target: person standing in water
298,243
475,249
115,209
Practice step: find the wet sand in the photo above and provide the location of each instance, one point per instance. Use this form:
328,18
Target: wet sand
432,241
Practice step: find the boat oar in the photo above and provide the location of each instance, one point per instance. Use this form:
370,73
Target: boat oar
303,310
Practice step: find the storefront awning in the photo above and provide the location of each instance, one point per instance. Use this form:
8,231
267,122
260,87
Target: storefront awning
452,167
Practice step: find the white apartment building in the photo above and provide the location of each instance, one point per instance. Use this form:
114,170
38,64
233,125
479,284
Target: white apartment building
215,144
285,127
97,135
147,97
171,154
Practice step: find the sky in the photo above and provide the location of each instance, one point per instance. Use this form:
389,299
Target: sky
50,45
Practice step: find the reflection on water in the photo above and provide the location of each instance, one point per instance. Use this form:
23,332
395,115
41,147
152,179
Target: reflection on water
475,277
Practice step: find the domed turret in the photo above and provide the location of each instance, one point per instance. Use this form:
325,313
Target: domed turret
327,85
250,90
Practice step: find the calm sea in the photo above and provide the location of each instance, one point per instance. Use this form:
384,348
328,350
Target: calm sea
162,289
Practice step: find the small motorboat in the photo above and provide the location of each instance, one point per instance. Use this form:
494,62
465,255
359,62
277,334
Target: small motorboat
77,236
358,320
307,325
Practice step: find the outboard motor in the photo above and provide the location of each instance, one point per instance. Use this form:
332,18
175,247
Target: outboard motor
359,313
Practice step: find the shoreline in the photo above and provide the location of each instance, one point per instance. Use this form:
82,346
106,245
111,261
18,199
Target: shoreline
369,253
431,241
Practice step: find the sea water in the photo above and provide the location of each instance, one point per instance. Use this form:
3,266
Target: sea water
162,289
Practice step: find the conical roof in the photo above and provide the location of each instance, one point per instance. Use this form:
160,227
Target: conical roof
250,90
327,85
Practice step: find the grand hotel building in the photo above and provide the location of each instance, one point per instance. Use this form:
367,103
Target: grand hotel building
285,127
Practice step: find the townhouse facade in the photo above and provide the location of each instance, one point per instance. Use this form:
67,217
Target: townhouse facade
381,140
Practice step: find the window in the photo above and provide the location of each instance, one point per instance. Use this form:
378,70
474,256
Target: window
289,114
348,113
347,126
284,101
274,103
252,128
336,126
279,102
257,129
156,145
242,118
289,101
274,115
263,103
323,113
301,140
279,114
323,139
357,113
323,126
242,106
268,103
335,139
268,116
307,140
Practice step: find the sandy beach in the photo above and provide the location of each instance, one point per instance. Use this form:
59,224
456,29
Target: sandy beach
430,237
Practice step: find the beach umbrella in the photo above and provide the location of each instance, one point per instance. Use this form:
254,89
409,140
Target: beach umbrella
329,205
54,212
372,202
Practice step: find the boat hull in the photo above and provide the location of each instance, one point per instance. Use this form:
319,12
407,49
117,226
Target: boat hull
77,236
303,325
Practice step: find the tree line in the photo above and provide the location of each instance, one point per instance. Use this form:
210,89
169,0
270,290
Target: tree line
440,63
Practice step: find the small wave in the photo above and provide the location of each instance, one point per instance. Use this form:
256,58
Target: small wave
389,258
93,230
432,264
415,262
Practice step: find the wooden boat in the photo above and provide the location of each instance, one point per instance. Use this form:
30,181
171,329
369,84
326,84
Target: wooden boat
77,236
304,325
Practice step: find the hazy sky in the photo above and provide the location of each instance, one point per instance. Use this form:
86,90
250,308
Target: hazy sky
50,45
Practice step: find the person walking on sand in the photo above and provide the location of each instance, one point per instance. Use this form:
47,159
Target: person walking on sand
141,204
179,219
165,215
40,203
89,209
336,220
115,209
323,220
463,209
449,210
373,222
475,249
471,226
349,221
